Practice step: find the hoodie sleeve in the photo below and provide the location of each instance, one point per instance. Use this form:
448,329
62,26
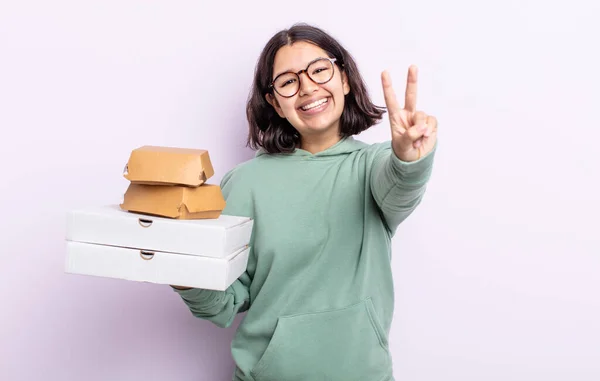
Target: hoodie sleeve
397,186
220,307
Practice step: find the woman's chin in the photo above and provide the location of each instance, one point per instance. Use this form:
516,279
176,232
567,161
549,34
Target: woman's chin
317,129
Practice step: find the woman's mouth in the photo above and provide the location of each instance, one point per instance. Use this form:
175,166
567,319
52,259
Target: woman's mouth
315,107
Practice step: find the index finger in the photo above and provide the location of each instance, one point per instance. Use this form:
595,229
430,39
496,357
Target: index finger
410,97
389,94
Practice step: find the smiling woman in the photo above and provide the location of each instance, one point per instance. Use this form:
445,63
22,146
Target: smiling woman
318,289
297,67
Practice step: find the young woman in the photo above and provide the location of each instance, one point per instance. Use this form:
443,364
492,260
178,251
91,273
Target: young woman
318,290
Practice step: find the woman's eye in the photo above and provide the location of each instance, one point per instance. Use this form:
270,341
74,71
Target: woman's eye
317,71
288,82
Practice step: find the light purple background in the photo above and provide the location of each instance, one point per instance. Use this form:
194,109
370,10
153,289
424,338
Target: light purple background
497,273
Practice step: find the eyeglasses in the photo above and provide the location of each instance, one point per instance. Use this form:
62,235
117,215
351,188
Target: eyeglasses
319,71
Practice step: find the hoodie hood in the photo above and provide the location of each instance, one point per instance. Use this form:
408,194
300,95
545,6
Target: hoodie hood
343,147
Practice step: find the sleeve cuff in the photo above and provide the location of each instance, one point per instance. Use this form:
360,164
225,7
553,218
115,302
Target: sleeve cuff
197,294
413,170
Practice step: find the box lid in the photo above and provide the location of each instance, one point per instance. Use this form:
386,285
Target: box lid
110,225
174,201
168,165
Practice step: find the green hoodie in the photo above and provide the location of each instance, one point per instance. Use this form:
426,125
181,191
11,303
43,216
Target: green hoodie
318,289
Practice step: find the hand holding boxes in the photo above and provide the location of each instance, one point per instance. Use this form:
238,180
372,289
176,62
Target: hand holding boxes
169,229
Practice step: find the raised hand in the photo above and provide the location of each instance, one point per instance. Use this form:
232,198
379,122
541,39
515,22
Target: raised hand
414,133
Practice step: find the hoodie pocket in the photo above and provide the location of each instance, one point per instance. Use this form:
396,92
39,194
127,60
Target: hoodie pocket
345,344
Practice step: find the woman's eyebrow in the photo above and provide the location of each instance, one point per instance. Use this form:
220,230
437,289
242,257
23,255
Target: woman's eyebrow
285,71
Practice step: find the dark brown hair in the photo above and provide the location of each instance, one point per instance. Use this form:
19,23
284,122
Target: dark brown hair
275,134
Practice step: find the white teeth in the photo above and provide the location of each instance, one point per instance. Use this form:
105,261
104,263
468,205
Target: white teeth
314,104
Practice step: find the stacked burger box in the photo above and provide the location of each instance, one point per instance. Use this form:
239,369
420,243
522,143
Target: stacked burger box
169,229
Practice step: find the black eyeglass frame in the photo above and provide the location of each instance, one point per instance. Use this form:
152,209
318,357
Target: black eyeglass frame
332,60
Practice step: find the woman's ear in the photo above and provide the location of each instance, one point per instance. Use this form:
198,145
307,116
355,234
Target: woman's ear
273,102
345,83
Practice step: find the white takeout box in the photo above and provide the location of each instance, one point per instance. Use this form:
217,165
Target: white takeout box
155,266
110,225
110,242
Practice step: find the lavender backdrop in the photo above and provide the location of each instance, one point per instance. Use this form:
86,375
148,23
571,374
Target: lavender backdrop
497,272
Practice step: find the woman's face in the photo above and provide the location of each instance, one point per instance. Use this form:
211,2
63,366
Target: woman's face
315,108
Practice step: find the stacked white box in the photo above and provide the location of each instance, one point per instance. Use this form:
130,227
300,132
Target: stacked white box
204,253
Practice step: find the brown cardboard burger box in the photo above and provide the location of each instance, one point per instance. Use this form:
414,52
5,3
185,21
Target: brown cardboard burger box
171,182
186,203
157,165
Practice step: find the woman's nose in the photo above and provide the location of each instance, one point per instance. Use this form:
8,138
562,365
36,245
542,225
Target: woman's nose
307,86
